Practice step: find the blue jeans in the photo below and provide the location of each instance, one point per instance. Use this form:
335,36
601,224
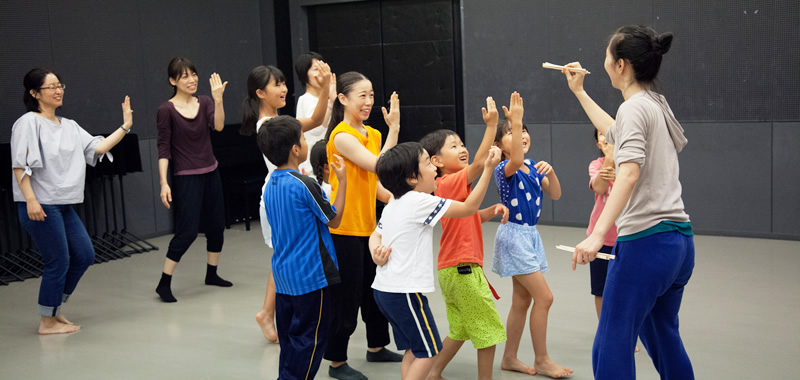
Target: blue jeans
642,297
66,251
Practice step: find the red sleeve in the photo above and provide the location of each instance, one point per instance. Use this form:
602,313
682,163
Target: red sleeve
164,125
453,186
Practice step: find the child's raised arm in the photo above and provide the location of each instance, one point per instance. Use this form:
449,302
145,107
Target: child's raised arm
470,206
316,119
516,158
490,117
340,170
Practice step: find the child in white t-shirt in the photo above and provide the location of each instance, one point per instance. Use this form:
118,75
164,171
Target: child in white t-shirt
306,69
402,247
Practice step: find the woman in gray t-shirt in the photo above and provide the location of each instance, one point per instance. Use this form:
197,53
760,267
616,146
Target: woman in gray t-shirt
655,247
49,155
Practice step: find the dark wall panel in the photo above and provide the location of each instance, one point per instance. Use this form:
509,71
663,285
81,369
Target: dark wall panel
504,47
786,93
422,72
140,200
22,47
720,66
417,20
99,74
786,179
580,33
723,189
418,121
328,27
573,149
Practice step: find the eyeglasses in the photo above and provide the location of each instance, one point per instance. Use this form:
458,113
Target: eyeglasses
54,87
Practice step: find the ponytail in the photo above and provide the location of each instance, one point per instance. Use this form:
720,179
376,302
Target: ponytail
258,79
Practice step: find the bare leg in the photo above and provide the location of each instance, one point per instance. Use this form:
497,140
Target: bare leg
598,302
449,350
485,363
51,325
169,266
266,316
213,258
417,368
515,324
542,300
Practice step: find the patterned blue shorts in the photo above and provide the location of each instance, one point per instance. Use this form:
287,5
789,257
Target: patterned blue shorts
518,250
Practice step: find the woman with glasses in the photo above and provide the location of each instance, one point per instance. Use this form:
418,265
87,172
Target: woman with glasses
184,137
49,154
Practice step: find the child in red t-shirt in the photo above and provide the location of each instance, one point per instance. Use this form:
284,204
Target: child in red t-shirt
471,312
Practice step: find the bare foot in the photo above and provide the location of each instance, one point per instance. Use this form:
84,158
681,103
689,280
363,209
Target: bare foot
267,327
435,377
514,364
63,319
55,327
548,367
636,349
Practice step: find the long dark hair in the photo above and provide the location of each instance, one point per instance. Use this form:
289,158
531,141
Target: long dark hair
318,158
258,79
34,80
344,85
643,48
177,66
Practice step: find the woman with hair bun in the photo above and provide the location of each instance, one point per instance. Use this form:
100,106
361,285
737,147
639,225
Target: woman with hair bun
655,246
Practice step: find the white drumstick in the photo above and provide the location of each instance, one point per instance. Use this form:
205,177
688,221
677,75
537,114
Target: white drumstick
548,65
600,255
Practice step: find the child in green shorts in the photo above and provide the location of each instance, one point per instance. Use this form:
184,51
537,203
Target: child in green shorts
471,312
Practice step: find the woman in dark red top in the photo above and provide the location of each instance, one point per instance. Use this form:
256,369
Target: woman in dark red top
184,136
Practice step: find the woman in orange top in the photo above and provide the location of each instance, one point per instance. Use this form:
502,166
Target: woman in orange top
359,144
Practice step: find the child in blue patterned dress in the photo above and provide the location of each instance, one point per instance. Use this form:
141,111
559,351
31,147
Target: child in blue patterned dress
518,250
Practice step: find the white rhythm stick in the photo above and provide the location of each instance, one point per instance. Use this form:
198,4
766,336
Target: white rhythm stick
600,255
548,65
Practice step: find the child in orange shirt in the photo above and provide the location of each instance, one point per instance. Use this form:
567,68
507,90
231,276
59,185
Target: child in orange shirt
471,312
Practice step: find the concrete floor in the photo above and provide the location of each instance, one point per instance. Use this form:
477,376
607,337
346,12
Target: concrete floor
739,318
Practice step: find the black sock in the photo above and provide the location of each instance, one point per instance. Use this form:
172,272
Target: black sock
213,279
164,288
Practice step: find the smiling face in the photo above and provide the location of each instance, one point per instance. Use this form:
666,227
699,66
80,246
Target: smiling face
186,83
50,94
274,94
358,102
505,142
453,156
426,182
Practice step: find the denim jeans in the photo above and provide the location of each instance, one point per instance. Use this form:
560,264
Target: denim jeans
66,251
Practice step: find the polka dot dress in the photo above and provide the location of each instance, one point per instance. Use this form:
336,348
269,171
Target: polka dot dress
521,193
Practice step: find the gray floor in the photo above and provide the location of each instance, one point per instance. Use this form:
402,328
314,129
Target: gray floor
739,318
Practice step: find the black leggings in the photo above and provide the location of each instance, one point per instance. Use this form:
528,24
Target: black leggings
197,199
357,272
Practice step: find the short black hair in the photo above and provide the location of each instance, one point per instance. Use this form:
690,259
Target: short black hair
434,141
503,126
397,165
277,137
303,63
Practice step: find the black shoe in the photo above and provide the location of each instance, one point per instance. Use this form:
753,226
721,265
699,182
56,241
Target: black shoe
345,372
384,356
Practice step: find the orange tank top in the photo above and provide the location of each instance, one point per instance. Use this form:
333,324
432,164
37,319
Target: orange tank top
362,185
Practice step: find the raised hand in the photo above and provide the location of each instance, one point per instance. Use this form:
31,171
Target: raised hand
217,87
490,115
574,79
127,113
392,117
495,154
381,255
543,168
332,94
339,168
324,77
517,109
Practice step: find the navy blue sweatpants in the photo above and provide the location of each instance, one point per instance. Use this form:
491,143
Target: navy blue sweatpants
303,324
642,297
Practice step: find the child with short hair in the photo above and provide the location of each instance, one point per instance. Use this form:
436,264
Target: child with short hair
518,248
319,164
471,312
402,246
303,260
307,70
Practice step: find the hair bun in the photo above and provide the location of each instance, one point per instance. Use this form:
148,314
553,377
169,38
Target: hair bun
662,43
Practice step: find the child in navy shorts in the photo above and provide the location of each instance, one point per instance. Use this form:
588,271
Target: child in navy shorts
402,246
303,261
